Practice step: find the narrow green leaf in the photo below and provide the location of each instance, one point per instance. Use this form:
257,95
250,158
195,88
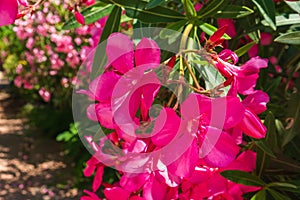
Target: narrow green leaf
210,8
242,177
169,31
233,12
189,8
137,9
289,38
271,137
283,20
267,9
280,128
274,85
112,23
295,5
153,3
293,113
244,49
261,195
210,29
209,74
280,185
264,147
277,195
91,14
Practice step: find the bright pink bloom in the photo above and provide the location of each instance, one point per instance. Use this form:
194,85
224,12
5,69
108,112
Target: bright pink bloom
116,193
137,93
94,165
91,196
45,94
23,2
206,182
243,78
230,24
253,51
257,101
79,18
265,38
252,126
8,11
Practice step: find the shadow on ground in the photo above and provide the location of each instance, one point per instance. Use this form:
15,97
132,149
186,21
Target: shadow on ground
31,166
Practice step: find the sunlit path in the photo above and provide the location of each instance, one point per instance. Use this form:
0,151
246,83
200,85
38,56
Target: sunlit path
31,167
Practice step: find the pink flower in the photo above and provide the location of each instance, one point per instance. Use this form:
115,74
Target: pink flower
94,165
125,83
45,94
206,182
79,18
18,81
243,78
265,38
253,51
8,11
23,2
91,196
230,24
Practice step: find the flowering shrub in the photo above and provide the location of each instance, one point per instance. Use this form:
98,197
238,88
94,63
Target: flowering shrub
185,123
51,56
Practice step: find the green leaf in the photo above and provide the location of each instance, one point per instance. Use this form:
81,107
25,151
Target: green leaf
280,128
280,185
153,3
244,49
242,177
112,23
91,14
233,12
289,38
293,113
274,85
210,74
261,195
210,29
169,31
284,20
295,5
271,136
264,147
277,195
211,8
137,9
267,9
189,8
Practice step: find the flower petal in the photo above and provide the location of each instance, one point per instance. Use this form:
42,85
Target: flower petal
186,163
147,53
218,148
104,115
116,193
252,126
166,127
257,101
133,182
8,11
120,52
98,178
102,87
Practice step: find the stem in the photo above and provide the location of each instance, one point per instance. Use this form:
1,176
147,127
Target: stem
184,38
192,74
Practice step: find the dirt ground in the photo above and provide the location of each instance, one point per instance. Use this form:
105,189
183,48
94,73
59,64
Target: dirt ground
31,167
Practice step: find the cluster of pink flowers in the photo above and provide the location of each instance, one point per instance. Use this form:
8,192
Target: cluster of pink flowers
52,54
177,153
